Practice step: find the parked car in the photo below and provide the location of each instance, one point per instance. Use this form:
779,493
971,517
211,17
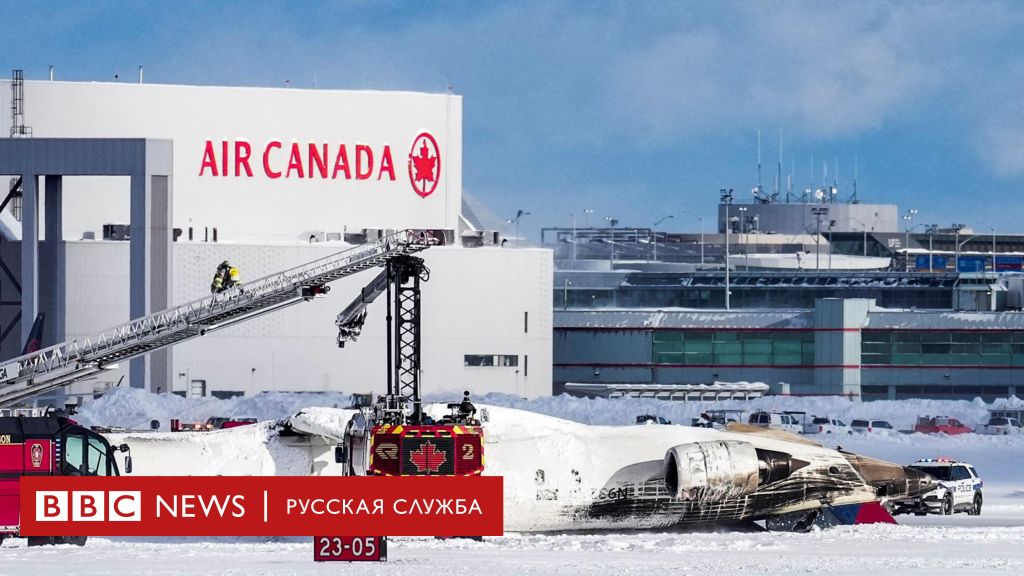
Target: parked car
826,425
1001,426
651,419
958,490
871,427
776,421
940,424
718,419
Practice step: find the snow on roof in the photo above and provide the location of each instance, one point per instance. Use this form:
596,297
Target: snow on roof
933,320
684,319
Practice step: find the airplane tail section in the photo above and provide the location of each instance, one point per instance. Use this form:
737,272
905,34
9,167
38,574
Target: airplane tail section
35,336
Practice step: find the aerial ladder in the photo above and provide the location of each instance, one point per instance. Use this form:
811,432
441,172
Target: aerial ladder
56,366
403,439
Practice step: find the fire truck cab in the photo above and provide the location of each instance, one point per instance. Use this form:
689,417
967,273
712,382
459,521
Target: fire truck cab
50,444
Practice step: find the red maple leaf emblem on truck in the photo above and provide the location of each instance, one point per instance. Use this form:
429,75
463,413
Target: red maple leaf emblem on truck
428,458
424,164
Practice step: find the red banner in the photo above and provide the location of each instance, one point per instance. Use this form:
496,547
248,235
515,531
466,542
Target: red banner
261,506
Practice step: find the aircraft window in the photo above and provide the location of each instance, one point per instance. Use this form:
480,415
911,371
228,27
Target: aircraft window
74,454
97,458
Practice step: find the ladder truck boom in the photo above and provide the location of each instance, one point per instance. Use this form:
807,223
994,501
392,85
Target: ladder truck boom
38,372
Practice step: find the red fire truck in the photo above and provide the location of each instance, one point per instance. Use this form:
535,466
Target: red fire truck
48,444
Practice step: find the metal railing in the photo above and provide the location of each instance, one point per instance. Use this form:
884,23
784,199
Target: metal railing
61,364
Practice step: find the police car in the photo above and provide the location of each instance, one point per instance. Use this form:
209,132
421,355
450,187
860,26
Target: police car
959,489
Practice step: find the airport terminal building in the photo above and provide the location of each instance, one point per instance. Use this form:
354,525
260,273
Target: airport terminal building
267,179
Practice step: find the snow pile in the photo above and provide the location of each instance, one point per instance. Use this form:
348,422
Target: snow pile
134,408
902,414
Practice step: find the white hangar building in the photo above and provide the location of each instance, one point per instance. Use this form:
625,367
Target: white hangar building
268,179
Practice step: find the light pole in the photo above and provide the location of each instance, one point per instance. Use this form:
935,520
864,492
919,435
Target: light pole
573,236
655,229
726,198
611,228
743,232
959,244
831,224
586,217
908,218
993,231
818,213
931,230
701,220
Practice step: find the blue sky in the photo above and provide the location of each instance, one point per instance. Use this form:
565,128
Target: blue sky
635,110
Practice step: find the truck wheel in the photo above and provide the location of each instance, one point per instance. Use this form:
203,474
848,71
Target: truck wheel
76,540
40,540
947,506
976,507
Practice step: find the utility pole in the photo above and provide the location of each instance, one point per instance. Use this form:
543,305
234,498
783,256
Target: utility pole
726,198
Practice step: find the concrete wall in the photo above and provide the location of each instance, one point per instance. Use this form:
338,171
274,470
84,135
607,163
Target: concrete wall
474,303
798,218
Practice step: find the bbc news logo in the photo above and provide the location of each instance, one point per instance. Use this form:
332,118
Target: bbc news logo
88,506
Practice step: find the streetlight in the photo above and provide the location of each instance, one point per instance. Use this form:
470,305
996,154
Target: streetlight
655,228
909,219
931,230
586,215
611,225
957,243
700,219
818,213
743,232
726,198
993,231
864,228
573,236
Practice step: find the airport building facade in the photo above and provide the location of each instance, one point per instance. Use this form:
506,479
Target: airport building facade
269,179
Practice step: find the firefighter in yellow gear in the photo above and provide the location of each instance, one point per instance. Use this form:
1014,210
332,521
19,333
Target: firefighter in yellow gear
226,277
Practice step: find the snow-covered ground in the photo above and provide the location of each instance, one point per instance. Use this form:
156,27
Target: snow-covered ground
961,544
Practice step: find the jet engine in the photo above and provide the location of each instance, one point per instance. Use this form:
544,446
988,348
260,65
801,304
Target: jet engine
712,471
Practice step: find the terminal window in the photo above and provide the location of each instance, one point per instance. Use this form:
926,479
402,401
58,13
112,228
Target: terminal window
491,360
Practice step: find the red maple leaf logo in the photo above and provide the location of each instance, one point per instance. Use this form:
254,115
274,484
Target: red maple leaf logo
428,458
424,164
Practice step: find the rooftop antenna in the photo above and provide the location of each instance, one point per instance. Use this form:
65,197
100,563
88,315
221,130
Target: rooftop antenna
789,179
778,175
811,187
759,160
